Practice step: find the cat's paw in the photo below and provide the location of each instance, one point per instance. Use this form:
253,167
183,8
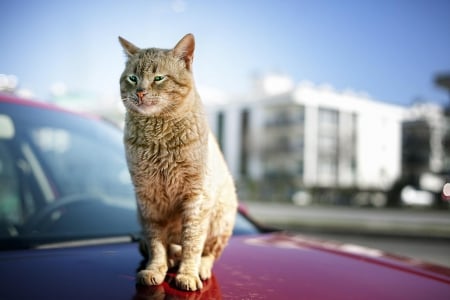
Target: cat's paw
205,273
205,267
188,282
149,277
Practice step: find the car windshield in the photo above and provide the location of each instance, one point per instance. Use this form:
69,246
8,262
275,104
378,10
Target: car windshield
64,177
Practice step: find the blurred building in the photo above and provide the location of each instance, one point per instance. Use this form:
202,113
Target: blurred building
424,132
443,81
425,155
308,136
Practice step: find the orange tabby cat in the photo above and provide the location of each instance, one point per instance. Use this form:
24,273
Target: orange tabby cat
185,193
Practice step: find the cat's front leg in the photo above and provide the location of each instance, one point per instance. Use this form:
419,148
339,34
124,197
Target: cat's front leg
193,240
156,269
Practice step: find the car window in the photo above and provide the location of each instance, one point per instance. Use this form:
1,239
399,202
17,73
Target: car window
9,187
82,163
63,175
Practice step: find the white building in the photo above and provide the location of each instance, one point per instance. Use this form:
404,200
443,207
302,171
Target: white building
425,130
314,134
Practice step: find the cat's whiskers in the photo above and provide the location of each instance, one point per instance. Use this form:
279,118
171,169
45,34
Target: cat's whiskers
133,100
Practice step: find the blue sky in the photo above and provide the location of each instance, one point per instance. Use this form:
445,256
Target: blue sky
387,48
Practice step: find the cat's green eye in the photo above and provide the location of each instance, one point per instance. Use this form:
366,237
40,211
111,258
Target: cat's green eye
132,79
158,78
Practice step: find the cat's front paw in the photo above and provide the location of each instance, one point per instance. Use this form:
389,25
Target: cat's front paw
205,273
149,277
188,282
205,267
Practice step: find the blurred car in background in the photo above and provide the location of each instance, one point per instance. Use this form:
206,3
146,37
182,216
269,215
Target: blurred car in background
445,195
68,229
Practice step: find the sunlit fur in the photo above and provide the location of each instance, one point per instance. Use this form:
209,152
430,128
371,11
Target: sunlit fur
185,193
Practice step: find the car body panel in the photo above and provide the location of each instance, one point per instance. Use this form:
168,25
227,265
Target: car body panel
267,266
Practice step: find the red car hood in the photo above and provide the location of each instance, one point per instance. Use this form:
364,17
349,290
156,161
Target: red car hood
271,266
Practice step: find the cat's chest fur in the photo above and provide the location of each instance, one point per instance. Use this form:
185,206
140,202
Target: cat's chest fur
166,158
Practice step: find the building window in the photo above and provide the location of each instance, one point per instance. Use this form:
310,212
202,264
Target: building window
220,129
283,142
285,115
416,147
328,146
243,156
353,151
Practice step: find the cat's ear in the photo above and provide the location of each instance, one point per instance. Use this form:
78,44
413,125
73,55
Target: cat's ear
128,47
185,49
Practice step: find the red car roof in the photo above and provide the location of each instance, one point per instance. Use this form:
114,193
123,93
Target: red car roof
4,97
11,98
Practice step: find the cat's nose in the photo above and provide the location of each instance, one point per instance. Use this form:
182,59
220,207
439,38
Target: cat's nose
141,93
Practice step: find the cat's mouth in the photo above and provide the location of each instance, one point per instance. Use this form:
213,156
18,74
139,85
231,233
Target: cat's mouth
146,102
145,105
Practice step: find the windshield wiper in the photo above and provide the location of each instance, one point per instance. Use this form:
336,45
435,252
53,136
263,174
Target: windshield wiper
22,243
88,242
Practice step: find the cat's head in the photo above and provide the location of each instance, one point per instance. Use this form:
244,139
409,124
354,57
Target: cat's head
157,81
